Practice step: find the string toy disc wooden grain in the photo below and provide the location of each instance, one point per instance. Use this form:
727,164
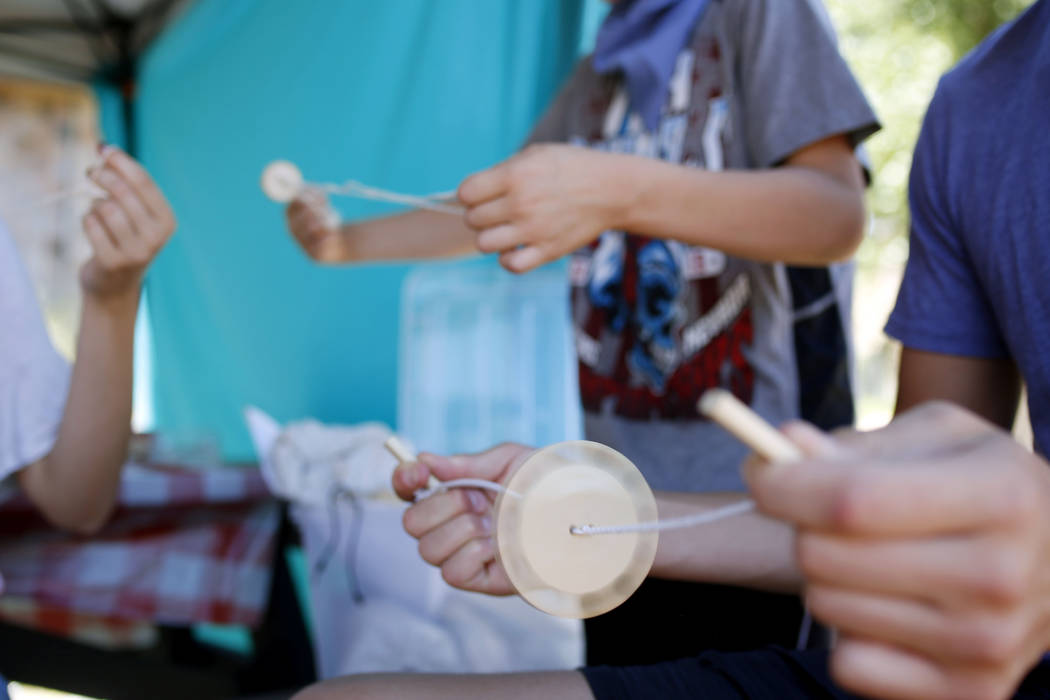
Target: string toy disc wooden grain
282,181
555,570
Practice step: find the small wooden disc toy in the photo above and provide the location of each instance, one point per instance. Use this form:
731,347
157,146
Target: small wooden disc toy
282,181
565,486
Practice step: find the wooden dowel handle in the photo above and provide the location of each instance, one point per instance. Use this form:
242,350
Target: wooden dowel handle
399,450
747,426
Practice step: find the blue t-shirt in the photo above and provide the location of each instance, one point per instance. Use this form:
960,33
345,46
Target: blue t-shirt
978,277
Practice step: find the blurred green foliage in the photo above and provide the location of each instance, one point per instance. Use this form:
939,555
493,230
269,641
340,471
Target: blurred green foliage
963,23
899,49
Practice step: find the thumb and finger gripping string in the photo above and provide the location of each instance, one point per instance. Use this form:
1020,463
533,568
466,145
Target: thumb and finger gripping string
404,455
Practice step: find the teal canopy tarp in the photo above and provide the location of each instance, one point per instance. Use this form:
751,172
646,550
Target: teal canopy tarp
403,94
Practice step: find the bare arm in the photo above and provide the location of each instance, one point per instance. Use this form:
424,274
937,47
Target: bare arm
75,486
410,236
745,550
809,212
552,199
991,388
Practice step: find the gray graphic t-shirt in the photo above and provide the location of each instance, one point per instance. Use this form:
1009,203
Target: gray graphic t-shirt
659,322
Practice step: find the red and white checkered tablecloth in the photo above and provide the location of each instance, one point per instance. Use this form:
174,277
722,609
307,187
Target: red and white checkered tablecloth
95,630
185,546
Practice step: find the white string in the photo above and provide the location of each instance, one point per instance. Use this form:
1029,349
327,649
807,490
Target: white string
465,483
69,193
77,190
704,518
404,454
433,202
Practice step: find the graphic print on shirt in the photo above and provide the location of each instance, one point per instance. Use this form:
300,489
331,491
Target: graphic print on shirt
659,322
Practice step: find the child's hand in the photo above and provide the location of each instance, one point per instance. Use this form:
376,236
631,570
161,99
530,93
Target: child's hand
927,545
543,203
311,222
126,229
455,528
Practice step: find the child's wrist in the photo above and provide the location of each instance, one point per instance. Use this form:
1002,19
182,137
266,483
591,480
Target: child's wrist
123,301
350,239
621,187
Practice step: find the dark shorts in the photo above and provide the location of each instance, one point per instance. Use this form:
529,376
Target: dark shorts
679,619
766,674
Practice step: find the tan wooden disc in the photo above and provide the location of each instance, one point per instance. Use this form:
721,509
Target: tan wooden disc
567,484
281,181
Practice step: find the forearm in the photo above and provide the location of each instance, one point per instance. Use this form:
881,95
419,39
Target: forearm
76,485
745,550
989,387
414,235
793,214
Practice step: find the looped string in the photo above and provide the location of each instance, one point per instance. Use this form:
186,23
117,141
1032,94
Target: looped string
77,190
58,196
704,518
464,483
433,202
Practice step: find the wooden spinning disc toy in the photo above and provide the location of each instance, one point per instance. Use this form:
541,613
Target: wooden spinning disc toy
555,491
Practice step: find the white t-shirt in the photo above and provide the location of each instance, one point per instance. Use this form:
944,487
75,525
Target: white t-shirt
34,378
